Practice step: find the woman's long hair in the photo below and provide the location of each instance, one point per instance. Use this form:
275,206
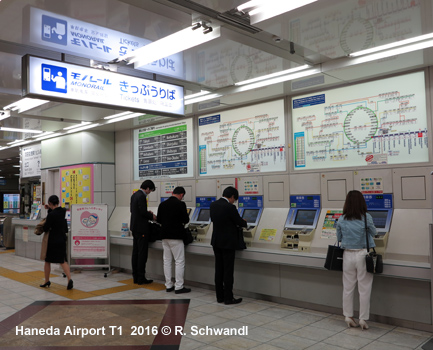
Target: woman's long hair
354,206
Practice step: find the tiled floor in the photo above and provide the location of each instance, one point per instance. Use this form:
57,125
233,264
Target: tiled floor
260,325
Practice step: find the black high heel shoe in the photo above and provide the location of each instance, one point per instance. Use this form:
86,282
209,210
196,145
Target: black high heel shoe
70,285
46,284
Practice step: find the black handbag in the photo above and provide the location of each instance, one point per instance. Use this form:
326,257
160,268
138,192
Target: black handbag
241,242
334,258
187,237
373,261
154,231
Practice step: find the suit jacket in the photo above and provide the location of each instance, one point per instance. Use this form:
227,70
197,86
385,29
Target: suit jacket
226,222
172,215
139,214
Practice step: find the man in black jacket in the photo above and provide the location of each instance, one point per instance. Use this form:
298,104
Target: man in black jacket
139,225
173,215
226,222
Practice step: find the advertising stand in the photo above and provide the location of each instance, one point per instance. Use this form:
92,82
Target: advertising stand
89,242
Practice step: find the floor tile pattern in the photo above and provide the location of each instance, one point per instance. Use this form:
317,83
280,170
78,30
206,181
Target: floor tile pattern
98,301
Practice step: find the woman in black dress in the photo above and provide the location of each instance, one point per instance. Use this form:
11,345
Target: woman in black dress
56,251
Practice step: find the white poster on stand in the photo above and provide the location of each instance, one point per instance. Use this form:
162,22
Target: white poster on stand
89,231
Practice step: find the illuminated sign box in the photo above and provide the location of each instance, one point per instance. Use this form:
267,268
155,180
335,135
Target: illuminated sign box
64,82
68,35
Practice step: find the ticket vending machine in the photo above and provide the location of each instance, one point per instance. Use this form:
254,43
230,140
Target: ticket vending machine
200,221
301,223
250,209
380,207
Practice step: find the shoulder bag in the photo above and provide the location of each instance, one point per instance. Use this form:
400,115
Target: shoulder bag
187,236
334,258
39,229
240,240
373,261
154,232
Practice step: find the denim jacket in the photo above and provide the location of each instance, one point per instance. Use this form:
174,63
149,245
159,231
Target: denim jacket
351,233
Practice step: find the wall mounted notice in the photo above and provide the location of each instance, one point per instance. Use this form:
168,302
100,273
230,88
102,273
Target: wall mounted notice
374,123
244,140
76,184
31,160
163,151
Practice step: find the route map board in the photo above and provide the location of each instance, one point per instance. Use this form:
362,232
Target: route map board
164,151
375,123
244,140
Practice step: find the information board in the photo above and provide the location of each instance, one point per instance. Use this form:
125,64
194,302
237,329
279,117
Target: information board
244,140
71,83
89,231
374,123
164,151
31,160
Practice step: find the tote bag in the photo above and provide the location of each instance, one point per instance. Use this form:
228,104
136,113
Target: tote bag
334,258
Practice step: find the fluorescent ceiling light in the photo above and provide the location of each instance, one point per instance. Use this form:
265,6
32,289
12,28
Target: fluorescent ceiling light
5,114
201,93
288,71
83,128
15,141
29,131
202,98
129,116
279,79
265,9
25,104
21,143
77,126
16,166
392,45
393,52
118,115
171,44
48,136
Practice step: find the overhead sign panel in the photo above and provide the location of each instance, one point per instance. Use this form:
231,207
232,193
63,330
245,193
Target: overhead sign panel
68,35
77,84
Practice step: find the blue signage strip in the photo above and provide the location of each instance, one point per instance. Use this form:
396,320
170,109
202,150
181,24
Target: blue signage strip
77,84
250,201
378,201
209,120
204,202
305,201
308,101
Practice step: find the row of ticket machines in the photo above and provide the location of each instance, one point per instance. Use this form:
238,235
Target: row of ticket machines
301,222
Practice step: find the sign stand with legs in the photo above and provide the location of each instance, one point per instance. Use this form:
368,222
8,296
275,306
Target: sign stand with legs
89,241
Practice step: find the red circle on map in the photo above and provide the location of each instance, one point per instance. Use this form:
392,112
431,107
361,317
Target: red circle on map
368,158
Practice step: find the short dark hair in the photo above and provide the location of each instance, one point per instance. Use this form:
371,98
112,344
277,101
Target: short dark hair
54,200
355,206
230,191
148,184
179,190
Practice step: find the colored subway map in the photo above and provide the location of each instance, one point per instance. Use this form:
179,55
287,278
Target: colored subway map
374,123
244,140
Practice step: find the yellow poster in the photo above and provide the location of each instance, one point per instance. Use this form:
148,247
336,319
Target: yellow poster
268,234
77,184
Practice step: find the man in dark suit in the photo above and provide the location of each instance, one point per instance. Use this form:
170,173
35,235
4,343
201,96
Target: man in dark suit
226,222
173,215
139,225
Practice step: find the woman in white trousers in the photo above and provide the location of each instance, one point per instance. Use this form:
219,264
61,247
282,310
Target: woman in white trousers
351,232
